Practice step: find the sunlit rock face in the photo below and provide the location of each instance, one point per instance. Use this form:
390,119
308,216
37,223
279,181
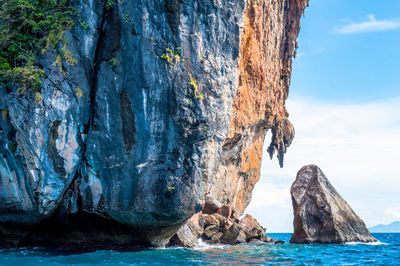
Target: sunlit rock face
321,215
220,229
267,47
154,131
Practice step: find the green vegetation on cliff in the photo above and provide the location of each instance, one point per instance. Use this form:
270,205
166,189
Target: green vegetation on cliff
28,27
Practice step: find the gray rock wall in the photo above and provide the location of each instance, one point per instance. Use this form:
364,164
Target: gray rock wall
127,137
135,147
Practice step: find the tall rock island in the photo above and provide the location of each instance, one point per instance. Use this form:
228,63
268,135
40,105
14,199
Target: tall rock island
321,215
122,119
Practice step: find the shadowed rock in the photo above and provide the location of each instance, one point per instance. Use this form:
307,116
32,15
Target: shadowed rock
321,215
217,229
234,235
252,228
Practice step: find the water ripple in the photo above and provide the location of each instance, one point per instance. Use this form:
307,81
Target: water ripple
385,252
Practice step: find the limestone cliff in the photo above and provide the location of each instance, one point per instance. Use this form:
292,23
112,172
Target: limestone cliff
267,47
167,104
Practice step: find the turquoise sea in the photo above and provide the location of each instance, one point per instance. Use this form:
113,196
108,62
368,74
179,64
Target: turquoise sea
384,252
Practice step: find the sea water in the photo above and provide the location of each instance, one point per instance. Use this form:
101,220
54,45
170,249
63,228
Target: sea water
384,252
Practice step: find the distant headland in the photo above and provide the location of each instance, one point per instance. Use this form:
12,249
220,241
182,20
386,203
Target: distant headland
386,228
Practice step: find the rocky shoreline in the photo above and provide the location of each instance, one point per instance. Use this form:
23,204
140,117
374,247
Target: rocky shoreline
220,226
87,233
321,215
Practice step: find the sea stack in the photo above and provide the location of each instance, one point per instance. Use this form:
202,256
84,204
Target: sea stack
321,215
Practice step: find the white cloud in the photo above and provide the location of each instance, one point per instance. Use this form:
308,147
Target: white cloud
356,145
371,25
270,195
392,212
312,52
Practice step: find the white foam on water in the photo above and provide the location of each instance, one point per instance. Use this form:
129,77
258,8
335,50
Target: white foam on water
200,246
377,243
204,246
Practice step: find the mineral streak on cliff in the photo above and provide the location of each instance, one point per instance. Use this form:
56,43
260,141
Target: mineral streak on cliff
153,131
267,48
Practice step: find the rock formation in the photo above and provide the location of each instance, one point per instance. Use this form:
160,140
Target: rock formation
221,227
321,215
166,104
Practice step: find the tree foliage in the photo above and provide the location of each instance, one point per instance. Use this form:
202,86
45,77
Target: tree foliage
28,27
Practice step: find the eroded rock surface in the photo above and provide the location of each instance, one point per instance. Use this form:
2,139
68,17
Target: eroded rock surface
147,141
321,215
267,47
220,229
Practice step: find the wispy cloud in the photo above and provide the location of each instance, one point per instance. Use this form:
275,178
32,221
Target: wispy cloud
371,25
311,52
391,212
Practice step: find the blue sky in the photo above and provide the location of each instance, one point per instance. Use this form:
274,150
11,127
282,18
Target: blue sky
344,102
353,67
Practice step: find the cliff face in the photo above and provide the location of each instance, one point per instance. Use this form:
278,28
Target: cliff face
168,104
267,47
